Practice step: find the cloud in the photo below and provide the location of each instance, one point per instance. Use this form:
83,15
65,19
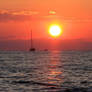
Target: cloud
6,15
27,15
24,12
52,12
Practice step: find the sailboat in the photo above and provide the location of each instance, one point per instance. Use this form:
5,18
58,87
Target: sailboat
32,48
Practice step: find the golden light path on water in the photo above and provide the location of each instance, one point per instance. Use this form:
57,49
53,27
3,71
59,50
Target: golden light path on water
54,72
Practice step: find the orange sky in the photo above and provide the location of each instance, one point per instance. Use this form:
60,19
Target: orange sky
17,17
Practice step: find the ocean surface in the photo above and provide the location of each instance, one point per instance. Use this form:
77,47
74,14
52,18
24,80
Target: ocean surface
46,71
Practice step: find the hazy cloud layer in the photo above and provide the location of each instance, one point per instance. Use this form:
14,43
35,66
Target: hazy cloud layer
6,15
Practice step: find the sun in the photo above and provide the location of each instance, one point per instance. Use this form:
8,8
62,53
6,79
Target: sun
55,30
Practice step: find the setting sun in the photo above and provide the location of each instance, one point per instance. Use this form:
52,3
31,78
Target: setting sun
55,30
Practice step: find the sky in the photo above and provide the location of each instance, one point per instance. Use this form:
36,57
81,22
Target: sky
18,17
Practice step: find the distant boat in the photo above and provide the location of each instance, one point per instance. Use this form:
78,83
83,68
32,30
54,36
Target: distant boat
45,49
32,48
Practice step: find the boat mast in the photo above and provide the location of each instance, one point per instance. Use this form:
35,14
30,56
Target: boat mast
31,40
32,48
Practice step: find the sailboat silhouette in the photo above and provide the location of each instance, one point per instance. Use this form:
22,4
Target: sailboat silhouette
32,48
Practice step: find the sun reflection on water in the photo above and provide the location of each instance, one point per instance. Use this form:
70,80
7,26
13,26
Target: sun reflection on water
54,75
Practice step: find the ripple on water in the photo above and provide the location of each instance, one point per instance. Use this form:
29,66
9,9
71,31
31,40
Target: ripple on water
45,71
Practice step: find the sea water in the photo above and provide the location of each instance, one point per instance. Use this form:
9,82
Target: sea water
45,71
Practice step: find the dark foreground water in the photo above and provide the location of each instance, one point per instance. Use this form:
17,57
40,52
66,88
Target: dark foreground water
53,71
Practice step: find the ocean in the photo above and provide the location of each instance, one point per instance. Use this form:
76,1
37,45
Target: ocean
46,71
